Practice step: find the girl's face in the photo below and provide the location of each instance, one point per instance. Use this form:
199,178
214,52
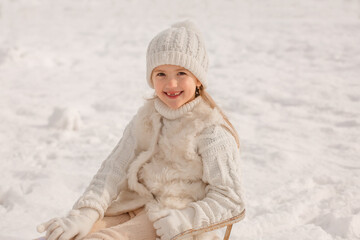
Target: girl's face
174,85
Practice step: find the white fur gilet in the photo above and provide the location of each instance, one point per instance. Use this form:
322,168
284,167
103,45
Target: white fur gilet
169,167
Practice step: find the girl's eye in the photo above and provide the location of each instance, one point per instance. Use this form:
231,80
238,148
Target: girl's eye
160,74
182,73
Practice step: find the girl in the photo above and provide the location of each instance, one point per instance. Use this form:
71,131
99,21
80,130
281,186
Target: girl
176,166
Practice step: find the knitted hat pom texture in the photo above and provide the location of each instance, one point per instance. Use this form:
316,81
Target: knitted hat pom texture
188,25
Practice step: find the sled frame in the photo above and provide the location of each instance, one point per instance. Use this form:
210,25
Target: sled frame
228,224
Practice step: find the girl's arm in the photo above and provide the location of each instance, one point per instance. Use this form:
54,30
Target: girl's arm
103,188
223,199
221,171
107,183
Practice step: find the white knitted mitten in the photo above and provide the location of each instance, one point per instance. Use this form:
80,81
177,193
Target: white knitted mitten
77,224
174,222
155,211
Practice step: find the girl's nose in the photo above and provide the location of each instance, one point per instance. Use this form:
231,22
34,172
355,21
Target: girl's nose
172,82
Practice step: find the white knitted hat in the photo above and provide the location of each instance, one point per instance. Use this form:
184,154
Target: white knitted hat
180,45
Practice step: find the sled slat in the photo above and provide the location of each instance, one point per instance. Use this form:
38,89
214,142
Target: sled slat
228,231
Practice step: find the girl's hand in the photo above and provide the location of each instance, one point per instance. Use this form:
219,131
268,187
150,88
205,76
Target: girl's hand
173,222
154,211
77,224
169,222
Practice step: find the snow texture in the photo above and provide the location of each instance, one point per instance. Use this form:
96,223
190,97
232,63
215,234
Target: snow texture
287,73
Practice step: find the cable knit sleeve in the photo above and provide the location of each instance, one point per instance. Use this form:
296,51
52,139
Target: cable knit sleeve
106,184
220,157
223,199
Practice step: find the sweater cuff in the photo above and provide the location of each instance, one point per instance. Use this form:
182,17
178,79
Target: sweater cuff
88,212
82,204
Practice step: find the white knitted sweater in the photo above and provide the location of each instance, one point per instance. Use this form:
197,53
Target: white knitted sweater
183,159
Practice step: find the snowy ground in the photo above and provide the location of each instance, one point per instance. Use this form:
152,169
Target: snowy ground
286,72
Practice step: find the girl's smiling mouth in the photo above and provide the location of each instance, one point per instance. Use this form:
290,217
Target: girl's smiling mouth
173,94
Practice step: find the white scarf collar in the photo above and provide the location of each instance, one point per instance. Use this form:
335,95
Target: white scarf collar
172,114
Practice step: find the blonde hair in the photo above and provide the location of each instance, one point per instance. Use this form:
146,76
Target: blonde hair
208,99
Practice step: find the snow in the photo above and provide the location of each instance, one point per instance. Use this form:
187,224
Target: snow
72,74
65,119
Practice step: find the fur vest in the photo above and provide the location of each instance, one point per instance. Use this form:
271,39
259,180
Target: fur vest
167,138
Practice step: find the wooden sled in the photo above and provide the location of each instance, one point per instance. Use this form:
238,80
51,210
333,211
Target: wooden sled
228,224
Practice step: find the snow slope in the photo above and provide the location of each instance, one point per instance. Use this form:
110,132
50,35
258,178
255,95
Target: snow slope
72,74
